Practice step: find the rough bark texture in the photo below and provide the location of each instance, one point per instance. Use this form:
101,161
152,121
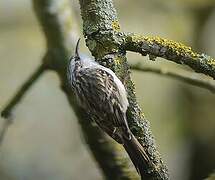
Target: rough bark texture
58,29
170,50
106,42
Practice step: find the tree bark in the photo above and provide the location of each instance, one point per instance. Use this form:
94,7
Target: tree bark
113,162
106,43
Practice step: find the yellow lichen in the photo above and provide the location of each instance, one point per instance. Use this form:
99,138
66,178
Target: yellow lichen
116,26
137,38
211,62
178,48
143,115
117,61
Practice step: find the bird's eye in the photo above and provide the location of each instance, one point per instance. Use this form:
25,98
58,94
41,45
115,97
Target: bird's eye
77,58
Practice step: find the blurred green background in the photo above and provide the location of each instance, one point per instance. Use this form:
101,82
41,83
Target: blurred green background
45,141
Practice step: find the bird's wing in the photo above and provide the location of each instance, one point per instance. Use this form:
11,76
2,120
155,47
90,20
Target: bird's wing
101,94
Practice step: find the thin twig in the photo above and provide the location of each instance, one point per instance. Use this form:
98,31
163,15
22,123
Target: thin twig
188,77
4,128
7,111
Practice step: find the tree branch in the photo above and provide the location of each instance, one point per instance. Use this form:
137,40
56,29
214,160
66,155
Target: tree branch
170,50
185,76
106,43
55,18
4,128
6,112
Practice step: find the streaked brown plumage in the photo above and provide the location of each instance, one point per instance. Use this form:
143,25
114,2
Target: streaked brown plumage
104,97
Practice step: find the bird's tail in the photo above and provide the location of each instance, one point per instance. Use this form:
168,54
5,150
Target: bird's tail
137,154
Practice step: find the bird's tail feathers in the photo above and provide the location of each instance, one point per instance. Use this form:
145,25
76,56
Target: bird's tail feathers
137,154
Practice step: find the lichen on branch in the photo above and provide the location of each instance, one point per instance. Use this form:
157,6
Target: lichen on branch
170,50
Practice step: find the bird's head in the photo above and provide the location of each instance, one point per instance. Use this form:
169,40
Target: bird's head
79,61
76,59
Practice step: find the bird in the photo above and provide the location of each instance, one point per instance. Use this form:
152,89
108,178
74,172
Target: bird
103,96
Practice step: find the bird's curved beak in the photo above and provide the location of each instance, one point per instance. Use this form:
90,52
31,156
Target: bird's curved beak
77,49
